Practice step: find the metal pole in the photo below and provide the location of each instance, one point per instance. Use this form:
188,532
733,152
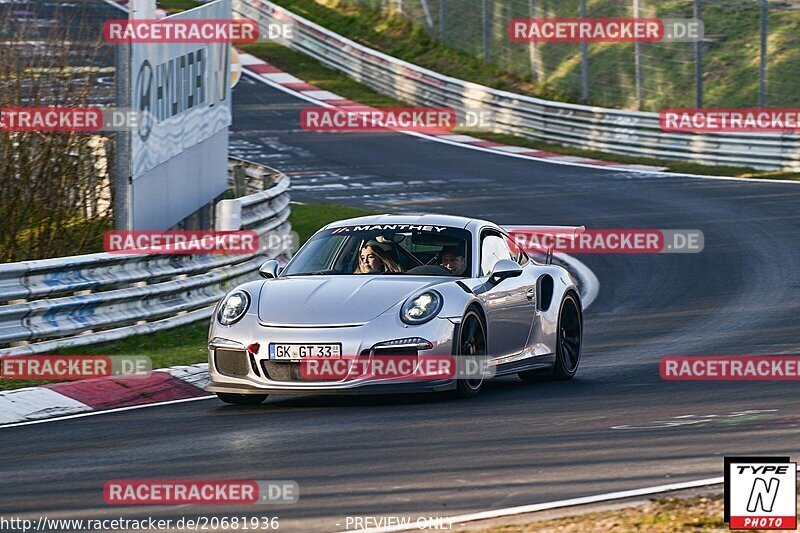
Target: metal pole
762,71
533,49
637,12
443,20
122,140
426,10
486,30
698,59
584,60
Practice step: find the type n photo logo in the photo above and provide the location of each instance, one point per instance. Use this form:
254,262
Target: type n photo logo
760,493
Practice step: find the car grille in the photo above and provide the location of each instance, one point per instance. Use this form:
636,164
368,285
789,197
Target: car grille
283,371
231,362
290,372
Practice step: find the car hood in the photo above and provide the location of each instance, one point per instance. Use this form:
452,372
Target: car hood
334,300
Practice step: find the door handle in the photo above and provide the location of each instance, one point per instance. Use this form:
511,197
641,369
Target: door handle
530,293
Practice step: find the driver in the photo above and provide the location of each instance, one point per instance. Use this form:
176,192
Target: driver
452,258
375,258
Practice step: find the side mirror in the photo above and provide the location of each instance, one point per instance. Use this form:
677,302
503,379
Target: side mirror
505,268
270,269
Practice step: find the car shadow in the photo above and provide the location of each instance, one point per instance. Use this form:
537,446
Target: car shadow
491,389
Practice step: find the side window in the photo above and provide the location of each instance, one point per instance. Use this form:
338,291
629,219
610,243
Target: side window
493,249
517,253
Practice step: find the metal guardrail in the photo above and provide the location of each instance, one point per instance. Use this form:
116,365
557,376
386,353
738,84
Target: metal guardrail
610,130
80,300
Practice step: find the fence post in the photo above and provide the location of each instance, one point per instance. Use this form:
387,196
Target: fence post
427,12
584,60
239,181
486,29
698,59
637,46
533,47
443,21
762,71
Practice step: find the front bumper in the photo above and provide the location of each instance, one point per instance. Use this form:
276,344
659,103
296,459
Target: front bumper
355,340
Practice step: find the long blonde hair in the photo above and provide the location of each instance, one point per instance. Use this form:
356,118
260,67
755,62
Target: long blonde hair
389,264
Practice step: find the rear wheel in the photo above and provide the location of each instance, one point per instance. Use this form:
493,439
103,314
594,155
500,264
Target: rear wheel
471,342
241,399
568,343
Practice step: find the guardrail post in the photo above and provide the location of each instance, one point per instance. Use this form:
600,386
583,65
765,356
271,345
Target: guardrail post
239,181
229,215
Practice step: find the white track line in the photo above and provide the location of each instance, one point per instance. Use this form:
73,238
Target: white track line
118,6
103,412
510,511
553,161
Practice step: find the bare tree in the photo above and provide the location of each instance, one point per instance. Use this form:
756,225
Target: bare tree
54,188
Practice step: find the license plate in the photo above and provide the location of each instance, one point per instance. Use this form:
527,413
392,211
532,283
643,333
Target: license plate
298,352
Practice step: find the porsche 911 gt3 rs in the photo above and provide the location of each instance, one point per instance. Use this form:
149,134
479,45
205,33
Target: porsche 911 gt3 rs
422,286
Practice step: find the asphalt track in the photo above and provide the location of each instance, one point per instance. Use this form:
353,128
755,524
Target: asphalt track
515,443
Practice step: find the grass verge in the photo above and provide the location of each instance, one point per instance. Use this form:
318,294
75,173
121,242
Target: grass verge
176,6
314,72
698,514
731,49
187,344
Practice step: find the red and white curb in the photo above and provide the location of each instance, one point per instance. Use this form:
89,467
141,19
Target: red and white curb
76,398
274,76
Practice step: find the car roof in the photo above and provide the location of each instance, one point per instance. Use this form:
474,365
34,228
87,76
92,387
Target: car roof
423,220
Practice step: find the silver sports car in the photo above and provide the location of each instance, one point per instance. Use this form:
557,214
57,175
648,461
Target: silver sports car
365,291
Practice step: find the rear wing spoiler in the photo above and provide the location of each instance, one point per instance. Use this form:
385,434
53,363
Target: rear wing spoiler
543,240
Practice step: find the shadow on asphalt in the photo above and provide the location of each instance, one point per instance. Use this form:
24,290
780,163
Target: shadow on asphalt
493,390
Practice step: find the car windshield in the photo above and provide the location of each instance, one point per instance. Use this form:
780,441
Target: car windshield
389,249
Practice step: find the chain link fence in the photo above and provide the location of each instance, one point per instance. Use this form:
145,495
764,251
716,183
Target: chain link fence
749,57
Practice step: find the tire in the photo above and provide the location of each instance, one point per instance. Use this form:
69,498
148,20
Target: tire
471,341
241,399
569,340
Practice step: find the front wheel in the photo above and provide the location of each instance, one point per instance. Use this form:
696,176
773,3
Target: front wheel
471,342
568,343
241,399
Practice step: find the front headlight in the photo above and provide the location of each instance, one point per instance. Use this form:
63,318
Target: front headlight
233,307
421,308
